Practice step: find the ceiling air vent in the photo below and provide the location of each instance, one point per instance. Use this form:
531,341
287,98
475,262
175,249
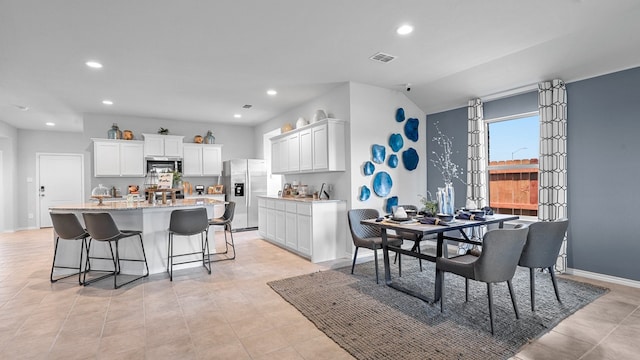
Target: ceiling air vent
382,57
247,106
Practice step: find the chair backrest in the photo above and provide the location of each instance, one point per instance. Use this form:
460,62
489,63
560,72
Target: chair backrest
501,250
360,231
229,211
67,226
188,221
543,243
101,226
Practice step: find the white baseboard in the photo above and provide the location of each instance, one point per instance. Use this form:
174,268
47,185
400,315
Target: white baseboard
603,277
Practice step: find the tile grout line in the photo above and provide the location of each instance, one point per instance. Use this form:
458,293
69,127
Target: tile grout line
609,333
55,339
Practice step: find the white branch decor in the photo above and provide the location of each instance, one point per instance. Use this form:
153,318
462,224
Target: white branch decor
442,161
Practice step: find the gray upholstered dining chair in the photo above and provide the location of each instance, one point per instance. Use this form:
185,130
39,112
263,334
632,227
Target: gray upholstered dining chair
497,263
415,238
68,227
101,227
367,236
541,251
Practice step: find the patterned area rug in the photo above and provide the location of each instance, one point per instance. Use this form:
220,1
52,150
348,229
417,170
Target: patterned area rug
373,321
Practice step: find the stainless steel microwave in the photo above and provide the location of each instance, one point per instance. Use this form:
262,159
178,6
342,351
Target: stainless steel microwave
164,165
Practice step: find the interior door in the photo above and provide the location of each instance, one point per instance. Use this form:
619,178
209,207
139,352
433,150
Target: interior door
60,182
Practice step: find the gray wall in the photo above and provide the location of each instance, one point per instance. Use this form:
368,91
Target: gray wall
603,171
8,198
603,167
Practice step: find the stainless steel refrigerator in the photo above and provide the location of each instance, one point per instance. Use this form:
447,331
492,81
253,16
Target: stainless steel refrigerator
244,180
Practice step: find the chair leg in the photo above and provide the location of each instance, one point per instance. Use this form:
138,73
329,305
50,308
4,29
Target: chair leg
442,292
375,257
513,299
399,265
532,287
555,284
115,265
418,251
53,265
466,290
79,268
144,256
355,256
490,296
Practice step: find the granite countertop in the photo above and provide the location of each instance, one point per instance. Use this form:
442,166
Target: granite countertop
123,205
300,199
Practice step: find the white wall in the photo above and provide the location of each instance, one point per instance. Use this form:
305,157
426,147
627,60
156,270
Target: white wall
8,146
373,112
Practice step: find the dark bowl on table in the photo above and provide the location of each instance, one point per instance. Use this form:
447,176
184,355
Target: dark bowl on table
444,217
477,212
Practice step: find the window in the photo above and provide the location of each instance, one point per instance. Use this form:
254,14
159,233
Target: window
513,145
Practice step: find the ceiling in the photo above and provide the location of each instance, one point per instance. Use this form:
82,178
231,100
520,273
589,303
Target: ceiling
203,60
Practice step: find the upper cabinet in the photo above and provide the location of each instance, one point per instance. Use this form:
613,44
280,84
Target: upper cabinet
202,160
162,145
118,158
318,147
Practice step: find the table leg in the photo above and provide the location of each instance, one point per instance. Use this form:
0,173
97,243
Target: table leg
385,253
437,294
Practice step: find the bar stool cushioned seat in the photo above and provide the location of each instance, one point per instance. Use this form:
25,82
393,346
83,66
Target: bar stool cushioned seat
187,222
101,227
68,227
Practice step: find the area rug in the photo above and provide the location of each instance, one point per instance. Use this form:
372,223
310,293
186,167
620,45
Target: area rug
374,321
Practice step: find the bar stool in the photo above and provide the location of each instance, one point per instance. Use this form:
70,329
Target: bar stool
101,227
225,221
187,222
68,227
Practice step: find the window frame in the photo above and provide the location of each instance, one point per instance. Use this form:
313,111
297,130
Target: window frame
487,122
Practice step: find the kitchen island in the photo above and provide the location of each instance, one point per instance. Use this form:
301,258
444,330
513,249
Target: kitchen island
152,220
314,229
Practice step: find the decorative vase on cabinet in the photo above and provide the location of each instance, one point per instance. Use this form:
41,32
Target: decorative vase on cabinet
114,132
209,139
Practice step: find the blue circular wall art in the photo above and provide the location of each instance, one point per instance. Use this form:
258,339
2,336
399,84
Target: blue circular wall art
391,202
364,193
411,129
396,142
378,153
382,184
393,161
410,159
400,115
368,168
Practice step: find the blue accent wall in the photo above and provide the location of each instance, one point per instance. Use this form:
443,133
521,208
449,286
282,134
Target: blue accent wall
603,161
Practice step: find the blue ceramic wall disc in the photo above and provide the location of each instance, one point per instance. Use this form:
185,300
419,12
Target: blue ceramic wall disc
411,129
364,193
368,168
396,142
382,184
393,161
391,202
400,115
378,153
410,159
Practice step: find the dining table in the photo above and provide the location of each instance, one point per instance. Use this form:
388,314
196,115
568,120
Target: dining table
423,230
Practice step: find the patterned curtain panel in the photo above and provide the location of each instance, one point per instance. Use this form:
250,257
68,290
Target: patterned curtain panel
476,155
552,179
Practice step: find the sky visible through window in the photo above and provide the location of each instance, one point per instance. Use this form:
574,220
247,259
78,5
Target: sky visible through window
514,139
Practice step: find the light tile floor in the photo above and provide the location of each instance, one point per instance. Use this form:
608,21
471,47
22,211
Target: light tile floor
231,314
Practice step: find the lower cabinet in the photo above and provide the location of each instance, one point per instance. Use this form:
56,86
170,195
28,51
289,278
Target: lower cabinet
313,229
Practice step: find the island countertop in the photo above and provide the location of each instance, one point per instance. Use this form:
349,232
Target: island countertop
123,205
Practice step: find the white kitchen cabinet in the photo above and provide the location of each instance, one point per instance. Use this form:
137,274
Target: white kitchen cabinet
202,160
318,147
118,158
313,229
162,145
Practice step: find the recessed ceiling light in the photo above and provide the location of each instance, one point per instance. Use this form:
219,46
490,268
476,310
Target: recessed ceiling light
50,124
271,92
107,102
94,64
237,116
404,30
